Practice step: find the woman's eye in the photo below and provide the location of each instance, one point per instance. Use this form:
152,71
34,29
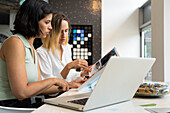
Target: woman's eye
47,22
66,30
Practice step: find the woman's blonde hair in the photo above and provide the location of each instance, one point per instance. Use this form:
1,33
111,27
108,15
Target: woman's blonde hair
52,39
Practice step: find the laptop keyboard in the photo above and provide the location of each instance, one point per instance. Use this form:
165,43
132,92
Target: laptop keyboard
80,101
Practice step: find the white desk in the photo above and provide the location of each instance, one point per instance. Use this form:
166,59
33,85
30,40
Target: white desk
132,106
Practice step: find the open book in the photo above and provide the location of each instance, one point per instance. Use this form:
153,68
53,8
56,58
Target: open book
97,69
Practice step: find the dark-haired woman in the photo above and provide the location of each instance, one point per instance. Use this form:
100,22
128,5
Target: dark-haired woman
20,78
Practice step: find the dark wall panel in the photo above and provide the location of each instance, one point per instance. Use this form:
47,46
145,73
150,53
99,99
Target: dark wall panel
83,12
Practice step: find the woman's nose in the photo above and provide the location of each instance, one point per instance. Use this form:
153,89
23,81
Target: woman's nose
64,34
50,27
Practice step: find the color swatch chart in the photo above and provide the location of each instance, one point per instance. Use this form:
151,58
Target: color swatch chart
81,42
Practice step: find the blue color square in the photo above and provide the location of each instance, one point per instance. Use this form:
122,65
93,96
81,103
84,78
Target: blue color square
82,38
78,35
82,35
82,31
75,38
74,31
74,35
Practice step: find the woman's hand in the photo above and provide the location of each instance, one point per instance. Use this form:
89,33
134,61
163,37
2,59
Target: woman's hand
76,83
63,85
78,63
85,72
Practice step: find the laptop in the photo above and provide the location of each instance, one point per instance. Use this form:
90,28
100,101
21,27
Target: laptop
118,82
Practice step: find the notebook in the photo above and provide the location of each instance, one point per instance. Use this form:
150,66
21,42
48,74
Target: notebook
118,82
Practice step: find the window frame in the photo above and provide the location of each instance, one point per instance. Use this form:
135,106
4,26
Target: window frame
143,25
142,39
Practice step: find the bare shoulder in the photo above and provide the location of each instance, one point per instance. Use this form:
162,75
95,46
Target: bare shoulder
12,45
12,41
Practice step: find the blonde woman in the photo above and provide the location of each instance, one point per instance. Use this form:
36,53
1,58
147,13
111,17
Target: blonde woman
55,53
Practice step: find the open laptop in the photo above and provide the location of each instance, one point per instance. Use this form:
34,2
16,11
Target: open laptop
118,82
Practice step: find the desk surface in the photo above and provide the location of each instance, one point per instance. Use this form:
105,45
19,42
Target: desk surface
132,106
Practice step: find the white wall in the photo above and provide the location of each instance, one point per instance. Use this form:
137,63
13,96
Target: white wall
120,26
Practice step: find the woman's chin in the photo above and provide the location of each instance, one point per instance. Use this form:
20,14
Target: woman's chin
44,36
62,42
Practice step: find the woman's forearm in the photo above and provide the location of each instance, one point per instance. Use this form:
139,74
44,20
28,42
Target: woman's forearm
52,90
65,71
43,86
34,88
